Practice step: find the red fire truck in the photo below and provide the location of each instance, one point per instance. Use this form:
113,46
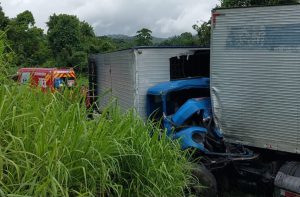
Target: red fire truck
47,78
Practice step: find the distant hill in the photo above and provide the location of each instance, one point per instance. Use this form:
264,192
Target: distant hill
155,40
120,36
158,40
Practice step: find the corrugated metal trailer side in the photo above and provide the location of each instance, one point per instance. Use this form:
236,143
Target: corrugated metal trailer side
116,78
255,75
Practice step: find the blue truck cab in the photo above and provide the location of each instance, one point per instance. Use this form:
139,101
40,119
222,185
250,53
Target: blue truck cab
183,108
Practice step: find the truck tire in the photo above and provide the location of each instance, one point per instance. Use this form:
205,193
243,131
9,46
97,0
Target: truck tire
287,179
204,182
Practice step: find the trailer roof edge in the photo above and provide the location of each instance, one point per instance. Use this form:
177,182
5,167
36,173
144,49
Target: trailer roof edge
257,6
156,47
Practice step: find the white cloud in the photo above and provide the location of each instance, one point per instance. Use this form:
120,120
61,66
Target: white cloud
164,18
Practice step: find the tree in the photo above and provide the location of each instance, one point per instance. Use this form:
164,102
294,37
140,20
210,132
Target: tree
86,30
3,20
185,39
203,33
63,35
25,19
27,41
71,40
144,37
79,60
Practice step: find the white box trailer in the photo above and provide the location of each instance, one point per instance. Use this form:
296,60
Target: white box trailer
255,75
255,92
128,74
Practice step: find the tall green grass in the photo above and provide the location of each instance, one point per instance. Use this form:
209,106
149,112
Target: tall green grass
48,147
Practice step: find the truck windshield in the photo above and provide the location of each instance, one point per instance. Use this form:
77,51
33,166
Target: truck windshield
64,82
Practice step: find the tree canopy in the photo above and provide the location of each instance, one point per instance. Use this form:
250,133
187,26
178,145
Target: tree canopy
144,37
4,20
63,34
26,40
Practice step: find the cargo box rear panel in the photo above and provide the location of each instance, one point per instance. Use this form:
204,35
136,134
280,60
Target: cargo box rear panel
255,75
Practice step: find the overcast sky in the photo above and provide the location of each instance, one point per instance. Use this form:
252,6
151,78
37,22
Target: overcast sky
164,17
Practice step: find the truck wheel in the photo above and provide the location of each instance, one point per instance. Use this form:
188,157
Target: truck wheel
203,182
287,180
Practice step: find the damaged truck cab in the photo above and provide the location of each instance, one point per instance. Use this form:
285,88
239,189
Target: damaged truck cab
183,108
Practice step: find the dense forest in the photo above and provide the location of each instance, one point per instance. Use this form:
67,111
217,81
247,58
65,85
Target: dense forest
68,41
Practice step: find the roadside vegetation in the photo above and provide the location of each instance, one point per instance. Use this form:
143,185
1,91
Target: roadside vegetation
48,147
